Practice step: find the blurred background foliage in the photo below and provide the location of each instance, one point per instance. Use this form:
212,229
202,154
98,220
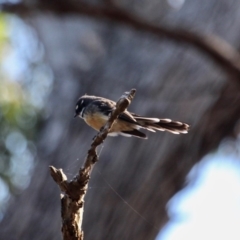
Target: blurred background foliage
24,83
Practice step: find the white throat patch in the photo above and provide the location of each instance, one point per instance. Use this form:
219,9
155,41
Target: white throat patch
81,113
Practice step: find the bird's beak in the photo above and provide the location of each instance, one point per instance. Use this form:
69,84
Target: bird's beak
75,115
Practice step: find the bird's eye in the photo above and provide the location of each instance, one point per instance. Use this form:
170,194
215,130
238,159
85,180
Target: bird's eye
76,107
82,102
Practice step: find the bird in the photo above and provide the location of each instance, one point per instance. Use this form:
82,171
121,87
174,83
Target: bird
95,111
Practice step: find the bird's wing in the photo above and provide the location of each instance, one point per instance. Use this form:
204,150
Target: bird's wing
126,116
105,106
108,106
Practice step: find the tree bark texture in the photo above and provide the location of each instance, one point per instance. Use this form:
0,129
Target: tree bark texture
100,57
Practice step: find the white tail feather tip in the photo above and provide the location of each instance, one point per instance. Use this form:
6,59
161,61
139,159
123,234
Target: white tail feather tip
166,120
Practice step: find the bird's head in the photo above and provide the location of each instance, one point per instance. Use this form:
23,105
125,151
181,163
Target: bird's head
81,105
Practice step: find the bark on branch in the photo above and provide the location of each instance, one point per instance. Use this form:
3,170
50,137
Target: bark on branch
214,47
74,191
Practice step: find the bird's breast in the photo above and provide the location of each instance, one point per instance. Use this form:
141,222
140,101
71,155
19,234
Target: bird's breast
95,120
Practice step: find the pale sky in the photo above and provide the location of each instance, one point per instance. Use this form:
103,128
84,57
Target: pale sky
209,208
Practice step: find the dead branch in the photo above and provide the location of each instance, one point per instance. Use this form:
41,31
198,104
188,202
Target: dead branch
214,47
74,191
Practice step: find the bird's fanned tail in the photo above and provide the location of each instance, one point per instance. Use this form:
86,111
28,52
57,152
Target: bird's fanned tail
153,124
